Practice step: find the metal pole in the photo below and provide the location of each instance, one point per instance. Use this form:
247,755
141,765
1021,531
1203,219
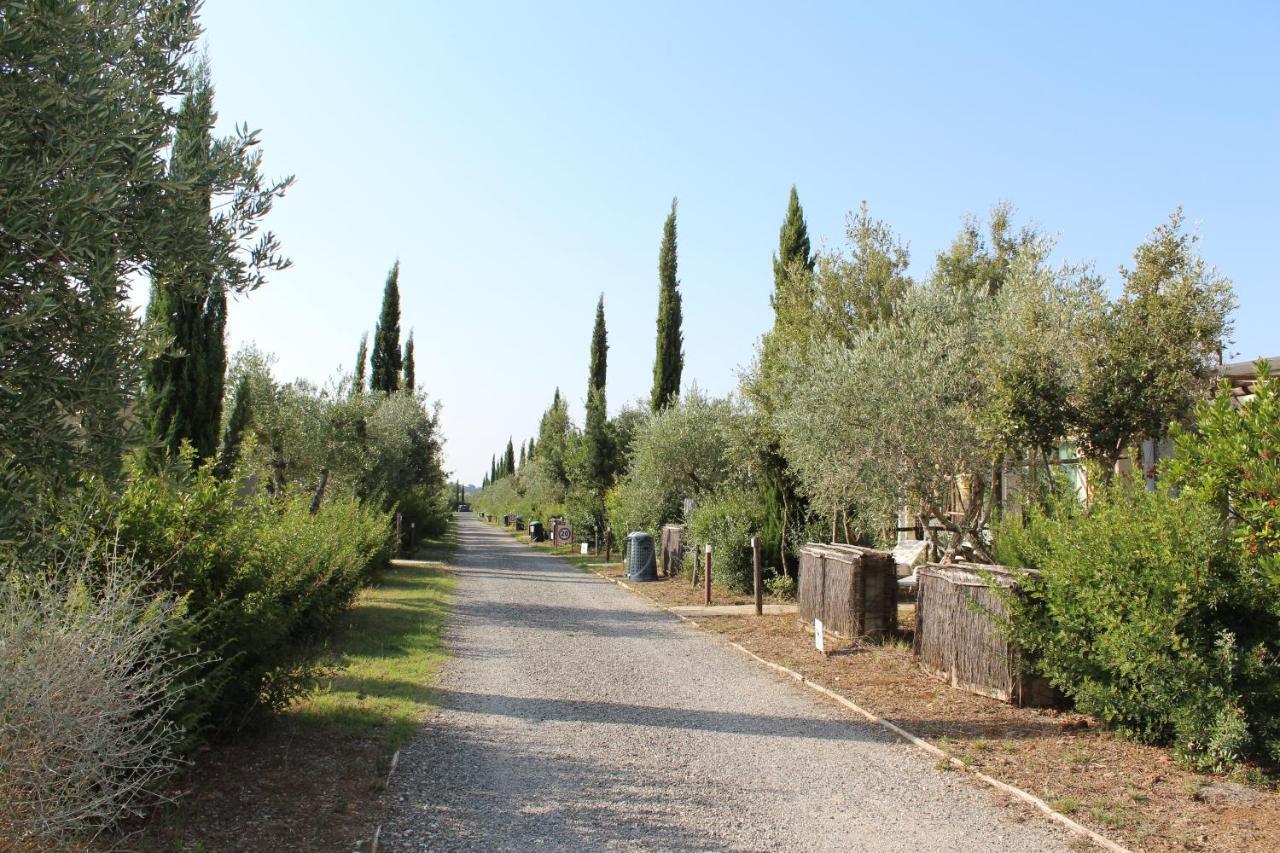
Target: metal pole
755,560
706,581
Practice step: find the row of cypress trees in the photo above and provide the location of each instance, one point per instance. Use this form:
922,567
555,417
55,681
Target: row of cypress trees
668,367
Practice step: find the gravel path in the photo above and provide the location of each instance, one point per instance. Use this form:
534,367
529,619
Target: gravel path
576,716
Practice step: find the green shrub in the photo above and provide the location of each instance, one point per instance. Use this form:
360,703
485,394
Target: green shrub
261,578
1145,616
726,521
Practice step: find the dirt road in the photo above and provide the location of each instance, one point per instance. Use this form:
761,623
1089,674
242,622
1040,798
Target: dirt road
577,716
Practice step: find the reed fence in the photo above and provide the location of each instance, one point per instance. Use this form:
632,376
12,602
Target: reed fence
853,590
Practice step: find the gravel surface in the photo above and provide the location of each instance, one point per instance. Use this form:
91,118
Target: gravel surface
577,716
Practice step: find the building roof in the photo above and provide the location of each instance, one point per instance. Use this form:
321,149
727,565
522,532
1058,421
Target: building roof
1243,377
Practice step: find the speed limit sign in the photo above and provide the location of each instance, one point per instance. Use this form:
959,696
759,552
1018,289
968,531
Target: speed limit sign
564,534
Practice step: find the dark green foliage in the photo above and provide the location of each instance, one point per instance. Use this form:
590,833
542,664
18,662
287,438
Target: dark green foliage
1158,612
238,423
554,432
188,305
599,449
523,455
726,520
668,363
262,580
794,249
1232,462
385,362
599,351
359,378
509,460
410,379
1146,618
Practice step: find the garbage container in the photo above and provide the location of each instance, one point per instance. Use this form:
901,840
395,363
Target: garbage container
519,522
537,533
641,565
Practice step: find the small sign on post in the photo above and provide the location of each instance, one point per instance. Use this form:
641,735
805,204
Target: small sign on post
817,636
564,534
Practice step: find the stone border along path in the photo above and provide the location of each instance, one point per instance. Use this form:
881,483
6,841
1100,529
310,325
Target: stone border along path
575,715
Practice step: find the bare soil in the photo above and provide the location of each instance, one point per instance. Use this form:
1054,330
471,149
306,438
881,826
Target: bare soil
280,789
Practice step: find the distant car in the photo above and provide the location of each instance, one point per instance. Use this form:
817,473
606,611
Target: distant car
464,507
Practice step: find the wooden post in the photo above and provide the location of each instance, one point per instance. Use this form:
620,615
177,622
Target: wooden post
755,565
706,580
608,543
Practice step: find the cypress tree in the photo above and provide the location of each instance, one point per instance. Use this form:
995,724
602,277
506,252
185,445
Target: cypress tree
599,350
362,356
384,364
596,433
668,363
184,384
523,458
793,244
532,444
510,458
778,489
237,423
493,469
409,382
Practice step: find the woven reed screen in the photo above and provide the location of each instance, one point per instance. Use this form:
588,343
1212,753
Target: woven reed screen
958,637
854,591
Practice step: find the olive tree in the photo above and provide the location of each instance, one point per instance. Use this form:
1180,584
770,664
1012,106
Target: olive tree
682,451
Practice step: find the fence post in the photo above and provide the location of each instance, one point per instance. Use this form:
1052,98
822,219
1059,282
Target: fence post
608,543
755,565
706,581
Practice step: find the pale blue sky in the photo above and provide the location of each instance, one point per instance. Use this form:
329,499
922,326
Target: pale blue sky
519,159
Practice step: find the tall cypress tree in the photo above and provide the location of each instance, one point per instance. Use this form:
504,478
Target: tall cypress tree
493,469
793,245
599,350
410,382
596,433
384,364
362,357
668,363
778,486
510,459
184,384
523,457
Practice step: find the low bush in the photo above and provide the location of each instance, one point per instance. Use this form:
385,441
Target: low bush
1142,615
261,579
88,684
726,521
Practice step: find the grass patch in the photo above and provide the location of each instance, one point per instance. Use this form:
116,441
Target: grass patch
311,778
1064,805
387,654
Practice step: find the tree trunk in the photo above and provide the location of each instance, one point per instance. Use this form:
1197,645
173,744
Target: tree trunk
319,495
782,548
